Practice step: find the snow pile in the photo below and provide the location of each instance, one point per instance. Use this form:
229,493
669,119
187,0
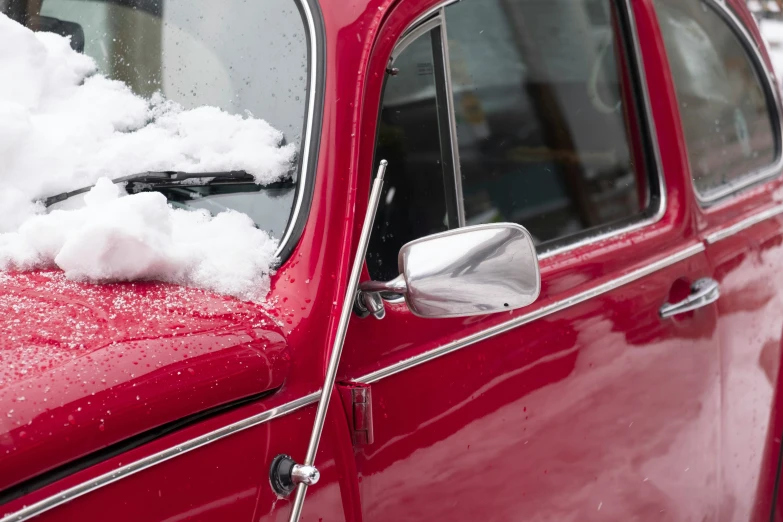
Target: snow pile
116,238
63,126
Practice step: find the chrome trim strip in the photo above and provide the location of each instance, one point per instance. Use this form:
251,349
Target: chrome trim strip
308,134
636,56
455,165
742,225
432,20
413,34
429,12
532,316
725,12
127,470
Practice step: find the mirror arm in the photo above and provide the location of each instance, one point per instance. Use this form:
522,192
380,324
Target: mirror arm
368,298
369,303
395,286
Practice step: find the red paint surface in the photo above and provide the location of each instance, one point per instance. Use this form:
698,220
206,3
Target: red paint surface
224,481
600,411
84,366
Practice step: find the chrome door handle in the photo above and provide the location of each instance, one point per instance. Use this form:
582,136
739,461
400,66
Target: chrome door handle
703,292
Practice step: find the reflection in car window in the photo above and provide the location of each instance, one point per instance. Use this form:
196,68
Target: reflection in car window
724,109
541,116
546,125
413,203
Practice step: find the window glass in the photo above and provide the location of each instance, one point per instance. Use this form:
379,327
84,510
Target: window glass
542,116
724,109
247,58
547,131
413,203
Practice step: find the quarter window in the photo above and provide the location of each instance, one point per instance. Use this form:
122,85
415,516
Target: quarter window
413,203
726,112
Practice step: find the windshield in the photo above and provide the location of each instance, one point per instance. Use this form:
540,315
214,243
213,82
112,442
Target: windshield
247,58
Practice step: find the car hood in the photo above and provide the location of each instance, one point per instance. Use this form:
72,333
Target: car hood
83,367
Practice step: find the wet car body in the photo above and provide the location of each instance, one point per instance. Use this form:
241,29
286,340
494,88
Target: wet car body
586,404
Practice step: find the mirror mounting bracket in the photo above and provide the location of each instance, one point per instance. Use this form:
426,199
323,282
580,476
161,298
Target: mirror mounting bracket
395,286
369,303
369,299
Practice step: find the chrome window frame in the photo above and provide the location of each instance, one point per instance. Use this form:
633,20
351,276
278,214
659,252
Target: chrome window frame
434,23
774,109
658,202
305,183
451,112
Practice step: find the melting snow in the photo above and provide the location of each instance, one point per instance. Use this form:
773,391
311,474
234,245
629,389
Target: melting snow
64,126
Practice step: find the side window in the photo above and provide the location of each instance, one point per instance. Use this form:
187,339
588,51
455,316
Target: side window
726,112
537,124
542,116
414,202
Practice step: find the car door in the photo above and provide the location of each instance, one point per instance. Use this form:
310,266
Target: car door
731,123
587,404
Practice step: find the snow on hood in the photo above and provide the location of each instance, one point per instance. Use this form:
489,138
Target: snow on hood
64,126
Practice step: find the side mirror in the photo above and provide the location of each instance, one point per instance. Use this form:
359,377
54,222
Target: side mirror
473,270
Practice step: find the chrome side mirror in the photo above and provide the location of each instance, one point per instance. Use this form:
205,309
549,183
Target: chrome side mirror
473,270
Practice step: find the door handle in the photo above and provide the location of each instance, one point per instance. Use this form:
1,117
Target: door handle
704,291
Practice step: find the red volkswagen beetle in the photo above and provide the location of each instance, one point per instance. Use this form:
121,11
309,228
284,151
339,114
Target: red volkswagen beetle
530,268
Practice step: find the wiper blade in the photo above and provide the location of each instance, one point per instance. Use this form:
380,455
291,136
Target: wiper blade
148,180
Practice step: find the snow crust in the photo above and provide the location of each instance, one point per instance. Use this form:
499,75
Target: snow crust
63,126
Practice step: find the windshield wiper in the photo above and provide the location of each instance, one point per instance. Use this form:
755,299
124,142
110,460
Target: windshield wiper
149,180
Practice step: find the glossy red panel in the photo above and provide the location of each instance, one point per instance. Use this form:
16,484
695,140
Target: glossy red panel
750,327
602,410
599,411
84,366
308,288
224,480
748,265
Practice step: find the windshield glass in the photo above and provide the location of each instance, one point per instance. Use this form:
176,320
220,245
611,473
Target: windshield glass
247,58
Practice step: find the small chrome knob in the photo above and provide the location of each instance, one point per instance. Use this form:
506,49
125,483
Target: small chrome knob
301,474
285,474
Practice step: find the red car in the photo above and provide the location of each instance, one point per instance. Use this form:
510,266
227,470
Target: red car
568,305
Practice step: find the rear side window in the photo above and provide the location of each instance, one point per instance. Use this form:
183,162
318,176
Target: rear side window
727,115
